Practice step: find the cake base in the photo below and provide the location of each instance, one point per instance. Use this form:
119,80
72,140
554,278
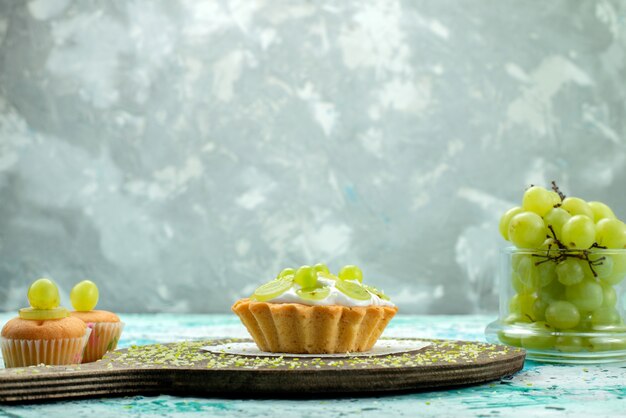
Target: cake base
184,369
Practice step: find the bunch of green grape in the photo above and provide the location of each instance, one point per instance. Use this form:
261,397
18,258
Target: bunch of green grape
348,281
564,272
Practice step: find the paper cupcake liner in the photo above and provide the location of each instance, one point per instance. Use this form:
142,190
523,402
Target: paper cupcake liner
23,353
104,337
296,328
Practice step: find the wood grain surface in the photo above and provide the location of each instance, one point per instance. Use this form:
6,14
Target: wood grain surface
184,369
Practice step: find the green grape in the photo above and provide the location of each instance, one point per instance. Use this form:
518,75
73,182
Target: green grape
519,286
509,339
586,295
562,315
609,295
570,271
585,322
556,199
601,211
539,309
568,343
376,292
321,268
611,233
579,232
553,291
506,219
546,272
602,265
538,200
351,272
541,337
557,217
353,290
527,271
313,293
522,304
84,296
606,343
577,206
604,317
527,230
516,318
286,272
306,277
43,294
271,290
619,269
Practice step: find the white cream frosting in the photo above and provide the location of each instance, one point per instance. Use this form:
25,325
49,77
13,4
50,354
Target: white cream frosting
335,297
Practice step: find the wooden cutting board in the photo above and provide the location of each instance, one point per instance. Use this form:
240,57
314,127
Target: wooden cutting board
186,370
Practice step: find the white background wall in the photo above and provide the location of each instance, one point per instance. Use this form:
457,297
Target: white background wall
181,153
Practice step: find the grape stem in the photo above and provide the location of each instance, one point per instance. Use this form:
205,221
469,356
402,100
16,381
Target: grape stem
558,191
563,252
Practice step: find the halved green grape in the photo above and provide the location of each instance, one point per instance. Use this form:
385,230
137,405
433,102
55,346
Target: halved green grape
376,292
601,211
568,343
286,272
313,293
557,218
609,295
306,276
321,268
586,295
603,317
527,230
577,206
351,272
84,296
271,290
44,294
570,271
352,290
562,315
540,337
538,200
611,233
43,314
329,276
506,219
579,232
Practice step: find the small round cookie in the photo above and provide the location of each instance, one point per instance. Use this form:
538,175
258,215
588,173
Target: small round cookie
106,327
43,333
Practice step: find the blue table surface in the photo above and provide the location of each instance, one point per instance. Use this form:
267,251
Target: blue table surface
538,390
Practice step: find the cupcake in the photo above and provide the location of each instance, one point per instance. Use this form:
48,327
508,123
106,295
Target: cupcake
313,311
43,333
105,326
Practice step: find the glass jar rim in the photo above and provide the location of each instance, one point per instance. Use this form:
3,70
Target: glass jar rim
515,250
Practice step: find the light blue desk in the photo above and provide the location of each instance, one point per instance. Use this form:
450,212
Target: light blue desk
539,390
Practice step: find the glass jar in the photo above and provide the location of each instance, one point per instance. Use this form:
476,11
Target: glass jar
562,305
